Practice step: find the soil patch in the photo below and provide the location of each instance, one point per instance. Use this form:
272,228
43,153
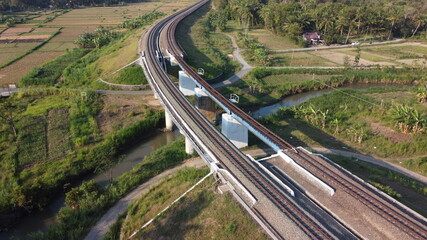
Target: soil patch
23,39
339,58
394,136
14,31
18,69
122,110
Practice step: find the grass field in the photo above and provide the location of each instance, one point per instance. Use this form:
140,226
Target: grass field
265,37
400,51
274,80
204,48
202,214
372,119
299,59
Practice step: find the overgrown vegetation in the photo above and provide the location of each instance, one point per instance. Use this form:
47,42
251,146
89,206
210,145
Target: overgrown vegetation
349,115
338,21
141,21
97,39
56,140
205,48
86,203
49,73
256,90
82,118
255,51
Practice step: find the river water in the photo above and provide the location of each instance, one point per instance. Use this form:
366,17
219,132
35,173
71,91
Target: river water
302,97
40,220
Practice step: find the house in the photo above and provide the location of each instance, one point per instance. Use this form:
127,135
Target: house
313,38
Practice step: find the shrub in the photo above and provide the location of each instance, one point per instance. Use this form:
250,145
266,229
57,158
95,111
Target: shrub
48,73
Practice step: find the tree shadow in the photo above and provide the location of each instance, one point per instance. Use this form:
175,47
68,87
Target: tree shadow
315,135
194,56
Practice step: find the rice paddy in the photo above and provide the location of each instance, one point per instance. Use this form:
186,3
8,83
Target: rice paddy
72,24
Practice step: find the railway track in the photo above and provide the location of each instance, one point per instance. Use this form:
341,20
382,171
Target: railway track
224,150
228,154
395,214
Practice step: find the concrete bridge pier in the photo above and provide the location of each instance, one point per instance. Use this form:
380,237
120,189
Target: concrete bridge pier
169,122
173,60
205,104
186,84
234,131
189,148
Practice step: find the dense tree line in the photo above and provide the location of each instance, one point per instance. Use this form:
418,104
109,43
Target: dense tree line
33,4
336,19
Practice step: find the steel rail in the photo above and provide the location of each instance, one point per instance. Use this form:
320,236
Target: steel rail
368,198
408,224
228,152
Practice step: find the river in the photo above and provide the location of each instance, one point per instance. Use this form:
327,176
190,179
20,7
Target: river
302,97
40,220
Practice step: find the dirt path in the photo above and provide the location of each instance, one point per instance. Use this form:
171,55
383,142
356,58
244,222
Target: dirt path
336,47
246,67
376,161
103,225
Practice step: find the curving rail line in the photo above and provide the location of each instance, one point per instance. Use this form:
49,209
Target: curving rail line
230,157
224,150
415,227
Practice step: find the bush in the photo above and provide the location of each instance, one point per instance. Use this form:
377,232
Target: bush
142,20
132,75
48,73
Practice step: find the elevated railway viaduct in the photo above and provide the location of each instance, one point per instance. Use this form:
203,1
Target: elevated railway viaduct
270,201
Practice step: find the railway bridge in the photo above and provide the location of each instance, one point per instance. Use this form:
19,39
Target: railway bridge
274,199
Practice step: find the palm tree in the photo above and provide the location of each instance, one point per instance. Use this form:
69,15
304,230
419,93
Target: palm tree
420,20
393,17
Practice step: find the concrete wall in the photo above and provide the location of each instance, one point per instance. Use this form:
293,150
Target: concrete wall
186,84
234,131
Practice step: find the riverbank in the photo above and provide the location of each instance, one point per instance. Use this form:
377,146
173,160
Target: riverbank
46,166
265,86
86,203
362,121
